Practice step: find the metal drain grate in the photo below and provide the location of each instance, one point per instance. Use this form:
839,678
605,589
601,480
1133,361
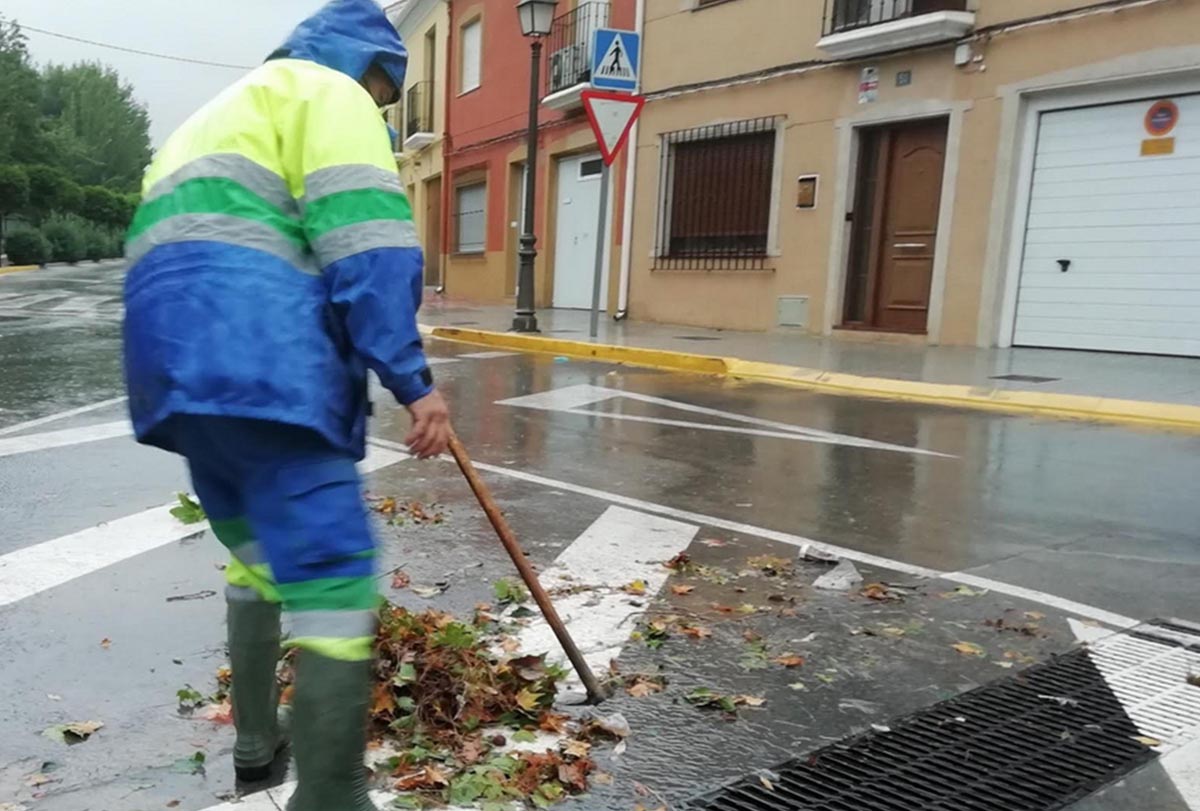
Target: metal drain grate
1036,741
1025,378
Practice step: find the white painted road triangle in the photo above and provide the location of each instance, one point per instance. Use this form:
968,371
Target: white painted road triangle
620,547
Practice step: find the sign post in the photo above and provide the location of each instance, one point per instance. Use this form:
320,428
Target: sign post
611,116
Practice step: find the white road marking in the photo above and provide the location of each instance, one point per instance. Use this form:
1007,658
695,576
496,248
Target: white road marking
43,566
62,415
441,361
488,355
28,443
1183,767
1083,632
573,399
619,547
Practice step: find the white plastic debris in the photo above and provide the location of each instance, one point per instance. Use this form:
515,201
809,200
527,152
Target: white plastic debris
842,577
815,554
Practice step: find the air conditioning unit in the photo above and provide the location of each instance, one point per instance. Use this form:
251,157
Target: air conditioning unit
568,66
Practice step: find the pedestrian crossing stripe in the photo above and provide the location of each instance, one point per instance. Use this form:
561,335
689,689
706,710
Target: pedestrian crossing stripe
615,63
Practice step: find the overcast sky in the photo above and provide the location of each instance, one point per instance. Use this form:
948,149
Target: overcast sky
240,32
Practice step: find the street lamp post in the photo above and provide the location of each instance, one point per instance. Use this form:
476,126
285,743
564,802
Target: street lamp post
536,18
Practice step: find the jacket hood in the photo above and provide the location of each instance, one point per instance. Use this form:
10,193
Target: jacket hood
349,36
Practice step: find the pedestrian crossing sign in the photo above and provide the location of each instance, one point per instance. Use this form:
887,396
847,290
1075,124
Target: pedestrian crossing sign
616,59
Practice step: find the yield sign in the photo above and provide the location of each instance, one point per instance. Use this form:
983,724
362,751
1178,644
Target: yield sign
611,116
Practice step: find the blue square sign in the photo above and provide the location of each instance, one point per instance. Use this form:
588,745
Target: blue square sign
616,59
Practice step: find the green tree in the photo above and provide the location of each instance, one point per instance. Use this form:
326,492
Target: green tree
98,131
27,246
48,190
14,193
67,235
21,138
100,205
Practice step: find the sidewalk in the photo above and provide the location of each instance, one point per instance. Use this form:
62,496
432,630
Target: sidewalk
1142,389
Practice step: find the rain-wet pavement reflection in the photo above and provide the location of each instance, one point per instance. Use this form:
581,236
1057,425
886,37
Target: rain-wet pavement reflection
1101,515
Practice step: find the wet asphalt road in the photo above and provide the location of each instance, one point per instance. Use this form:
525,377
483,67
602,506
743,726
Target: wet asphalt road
1102,516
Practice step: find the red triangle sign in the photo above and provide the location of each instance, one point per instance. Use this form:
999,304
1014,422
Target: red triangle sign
611,116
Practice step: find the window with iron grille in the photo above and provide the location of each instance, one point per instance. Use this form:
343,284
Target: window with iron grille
717,187
470,216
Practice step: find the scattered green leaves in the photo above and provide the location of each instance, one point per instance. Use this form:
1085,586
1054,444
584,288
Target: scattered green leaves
707,698
72,733
189,510
510,591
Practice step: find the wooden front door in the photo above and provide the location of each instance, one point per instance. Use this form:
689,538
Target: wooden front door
895,226
433,232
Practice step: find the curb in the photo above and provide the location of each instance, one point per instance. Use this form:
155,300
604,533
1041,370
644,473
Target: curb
18,269
1067,406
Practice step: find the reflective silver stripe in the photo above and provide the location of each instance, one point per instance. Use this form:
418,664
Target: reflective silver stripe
220,228
334,624
258,179
364,236
251,554
349,177
243,594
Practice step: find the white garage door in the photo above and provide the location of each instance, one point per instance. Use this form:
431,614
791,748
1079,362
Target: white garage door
1127,226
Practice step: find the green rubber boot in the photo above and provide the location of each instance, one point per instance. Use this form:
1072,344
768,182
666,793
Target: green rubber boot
329,723
253,653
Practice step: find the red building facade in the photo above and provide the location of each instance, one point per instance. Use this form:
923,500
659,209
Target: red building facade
487,101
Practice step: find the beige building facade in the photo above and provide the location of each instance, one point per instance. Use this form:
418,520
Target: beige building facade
419,121
969,172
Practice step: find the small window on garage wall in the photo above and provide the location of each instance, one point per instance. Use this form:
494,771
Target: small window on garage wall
472,56
718,184
470,218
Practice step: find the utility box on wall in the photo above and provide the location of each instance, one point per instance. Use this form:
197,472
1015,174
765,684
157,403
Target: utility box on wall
792,311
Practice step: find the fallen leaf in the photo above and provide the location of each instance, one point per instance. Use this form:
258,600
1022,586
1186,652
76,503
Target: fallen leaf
695,631
189,510
746,608
38,779
428,592
643,688
528,699
767,784
798,686
1035,615
1147,741
1018,657
679,562
825,677
880,593
892,631
963,591
751,701
602,779
576,748
724,609
218,713
401,580
173,804
106,643
789,660
75,732
637,587
968,649
524,736
1193,679
682,590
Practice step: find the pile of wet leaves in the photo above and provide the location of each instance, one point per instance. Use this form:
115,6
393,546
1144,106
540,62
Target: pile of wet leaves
455,722
399,513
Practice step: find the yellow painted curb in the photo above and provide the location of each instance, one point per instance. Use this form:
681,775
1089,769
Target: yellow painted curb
1068,406
18,269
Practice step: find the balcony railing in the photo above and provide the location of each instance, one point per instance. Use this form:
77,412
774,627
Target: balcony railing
418,116
569,46
418,108
850,15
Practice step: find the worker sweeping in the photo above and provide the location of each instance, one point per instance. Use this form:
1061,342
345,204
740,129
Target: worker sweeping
273,263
